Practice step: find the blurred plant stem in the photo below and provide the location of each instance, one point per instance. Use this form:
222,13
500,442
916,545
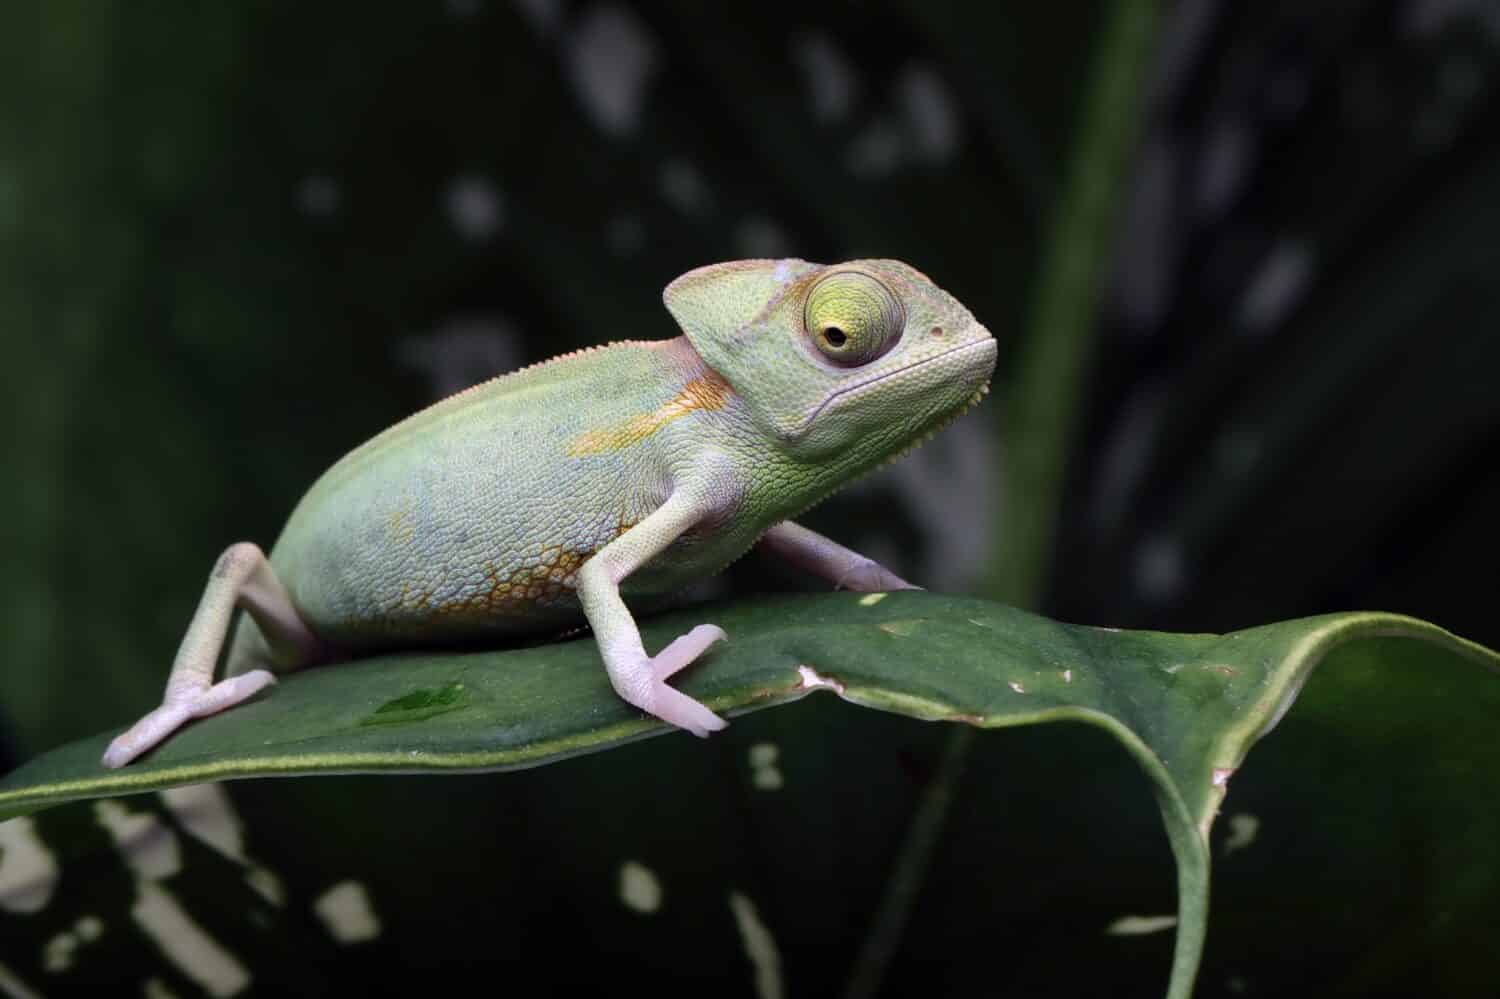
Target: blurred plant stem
1041,404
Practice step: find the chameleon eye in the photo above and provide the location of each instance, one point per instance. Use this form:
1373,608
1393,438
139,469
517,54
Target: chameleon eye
852,318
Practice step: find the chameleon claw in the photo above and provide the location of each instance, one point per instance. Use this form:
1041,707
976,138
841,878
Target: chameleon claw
869,576
684,649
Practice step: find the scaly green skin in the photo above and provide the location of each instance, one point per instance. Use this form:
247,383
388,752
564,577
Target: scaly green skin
546,497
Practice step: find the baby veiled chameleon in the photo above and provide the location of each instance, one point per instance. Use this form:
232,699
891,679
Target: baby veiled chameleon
614,475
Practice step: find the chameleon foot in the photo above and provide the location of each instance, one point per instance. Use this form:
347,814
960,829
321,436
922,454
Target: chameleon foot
672,705
180,708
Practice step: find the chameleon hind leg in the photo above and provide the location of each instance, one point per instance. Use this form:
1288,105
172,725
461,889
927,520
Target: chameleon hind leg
241,579
638,678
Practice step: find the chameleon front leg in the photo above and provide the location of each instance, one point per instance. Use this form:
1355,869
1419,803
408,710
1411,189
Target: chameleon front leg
823,557
638,678
242,578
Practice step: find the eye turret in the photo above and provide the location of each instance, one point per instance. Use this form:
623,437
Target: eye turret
852,318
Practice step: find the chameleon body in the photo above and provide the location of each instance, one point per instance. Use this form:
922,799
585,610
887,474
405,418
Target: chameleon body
555,494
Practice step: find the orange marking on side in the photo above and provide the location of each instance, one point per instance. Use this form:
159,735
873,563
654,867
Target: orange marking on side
708,391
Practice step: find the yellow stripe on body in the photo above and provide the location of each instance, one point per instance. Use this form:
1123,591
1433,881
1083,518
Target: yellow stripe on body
706,392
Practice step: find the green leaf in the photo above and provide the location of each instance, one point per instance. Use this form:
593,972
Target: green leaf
1186,707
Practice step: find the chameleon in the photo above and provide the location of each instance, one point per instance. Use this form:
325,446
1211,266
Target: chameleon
614,476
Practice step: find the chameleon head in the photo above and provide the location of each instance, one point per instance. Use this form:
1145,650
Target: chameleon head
860,360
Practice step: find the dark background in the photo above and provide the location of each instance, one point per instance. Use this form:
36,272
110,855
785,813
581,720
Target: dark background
238,239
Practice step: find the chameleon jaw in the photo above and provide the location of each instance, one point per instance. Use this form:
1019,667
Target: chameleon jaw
854,389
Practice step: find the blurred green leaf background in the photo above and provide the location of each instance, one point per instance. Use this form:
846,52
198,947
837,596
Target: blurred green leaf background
237,239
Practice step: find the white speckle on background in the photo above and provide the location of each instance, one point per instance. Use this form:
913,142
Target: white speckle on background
1426,18
760,238
28,870
1130,926
1242,831
196,954
764,773
57,953
1224,168
462,352
1126,454
871,599
640,888
267,885
545,16
876,151
12,986
474,207
610,58
1237,450
830,78
148,846
318,195
950,483
345,909
683,187
1277,286
207,814
760,947
626,235
931,114
1159,567
155,988
1144,277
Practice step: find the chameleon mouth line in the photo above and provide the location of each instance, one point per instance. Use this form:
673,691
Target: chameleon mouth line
813,418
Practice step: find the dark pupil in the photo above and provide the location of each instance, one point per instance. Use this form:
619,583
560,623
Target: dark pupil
835,336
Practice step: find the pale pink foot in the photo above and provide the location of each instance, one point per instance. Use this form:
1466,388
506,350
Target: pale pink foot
178,709
672,705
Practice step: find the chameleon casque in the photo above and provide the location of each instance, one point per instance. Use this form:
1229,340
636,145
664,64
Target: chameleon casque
613,475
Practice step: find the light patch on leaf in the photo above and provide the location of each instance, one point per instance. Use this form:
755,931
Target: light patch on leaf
640,888
811,680
1067,676
1013,685
1242,831
760,947
1222,775
1132,926
186,944
345,909
148,846
28,871
764,773
901,628
871,599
